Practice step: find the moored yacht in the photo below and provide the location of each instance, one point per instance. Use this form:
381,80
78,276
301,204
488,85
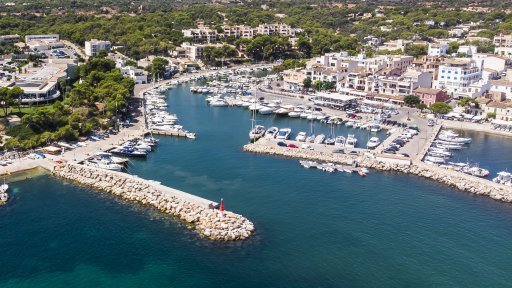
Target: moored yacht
301,137
351,141
283,134
271,132
319,139
256,133
373,143
339,141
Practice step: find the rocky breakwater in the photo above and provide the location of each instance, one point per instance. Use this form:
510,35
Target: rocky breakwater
455,179
207,221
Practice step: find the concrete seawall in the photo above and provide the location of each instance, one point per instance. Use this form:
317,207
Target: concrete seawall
196,211
455,179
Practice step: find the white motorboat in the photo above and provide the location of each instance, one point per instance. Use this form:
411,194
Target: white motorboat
373,143
218,103
271,132
283,134
294,114
257,132
310,138
329,141
351,141
308,164
349,124
190,135
375,128
503,177
433,159
301,137
282,111
339,141
319,139
266,110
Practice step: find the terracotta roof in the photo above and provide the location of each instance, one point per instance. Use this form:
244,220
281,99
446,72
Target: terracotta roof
427,90
500,105
481,100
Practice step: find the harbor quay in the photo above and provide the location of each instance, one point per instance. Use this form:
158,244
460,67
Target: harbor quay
198,212
385,162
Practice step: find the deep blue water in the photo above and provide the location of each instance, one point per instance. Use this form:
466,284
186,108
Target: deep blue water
313,229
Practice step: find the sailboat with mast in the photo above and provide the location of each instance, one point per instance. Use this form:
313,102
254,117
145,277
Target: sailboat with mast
311,137
257,131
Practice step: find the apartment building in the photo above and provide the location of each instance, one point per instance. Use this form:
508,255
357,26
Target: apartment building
93,47
405,84
502,40
202,33
460,78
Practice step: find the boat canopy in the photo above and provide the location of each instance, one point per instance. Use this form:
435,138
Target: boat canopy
501,122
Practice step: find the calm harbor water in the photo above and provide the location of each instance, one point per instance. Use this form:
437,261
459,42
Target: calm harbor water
492,152
313,229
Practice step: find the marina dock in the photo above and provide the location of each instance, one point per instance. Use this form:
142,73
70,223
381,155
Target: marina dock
168,133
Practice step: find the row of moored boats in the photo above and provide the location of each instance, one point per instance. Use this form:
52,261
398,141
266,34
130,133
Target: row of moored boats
445,146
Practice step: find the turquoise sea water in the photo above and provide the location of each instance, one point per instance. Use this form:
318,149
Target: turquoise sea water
313,229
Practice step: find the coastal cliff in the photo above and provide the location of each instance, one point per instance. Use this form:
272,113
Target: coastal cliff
208,222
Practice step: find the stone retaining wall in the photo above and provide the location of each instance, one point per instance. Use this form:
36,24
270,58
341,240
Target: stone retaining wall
452,178
211,223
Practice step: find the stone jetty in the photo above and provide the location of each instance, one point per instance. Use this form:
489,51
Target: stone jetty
452,178
204,218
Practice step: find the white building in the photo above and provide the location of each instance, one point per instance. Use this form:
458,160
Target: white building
503,85
93,47
460,78
9,38
138,75
503,51
490,61
40,84
437,49
48,38
469,50
399,44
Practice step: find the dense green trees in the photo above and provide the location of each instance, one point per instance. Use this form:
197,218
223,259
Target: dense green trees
440,108
158,66
326,27
411,100
268,48
213,55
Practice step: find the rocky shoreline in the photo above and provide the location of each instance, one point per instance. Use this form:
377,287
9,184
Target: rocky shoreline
455,179
208,222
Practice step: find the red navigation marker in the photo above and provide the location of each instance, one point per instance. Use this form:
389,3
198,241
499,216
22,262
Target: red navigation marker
221,207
